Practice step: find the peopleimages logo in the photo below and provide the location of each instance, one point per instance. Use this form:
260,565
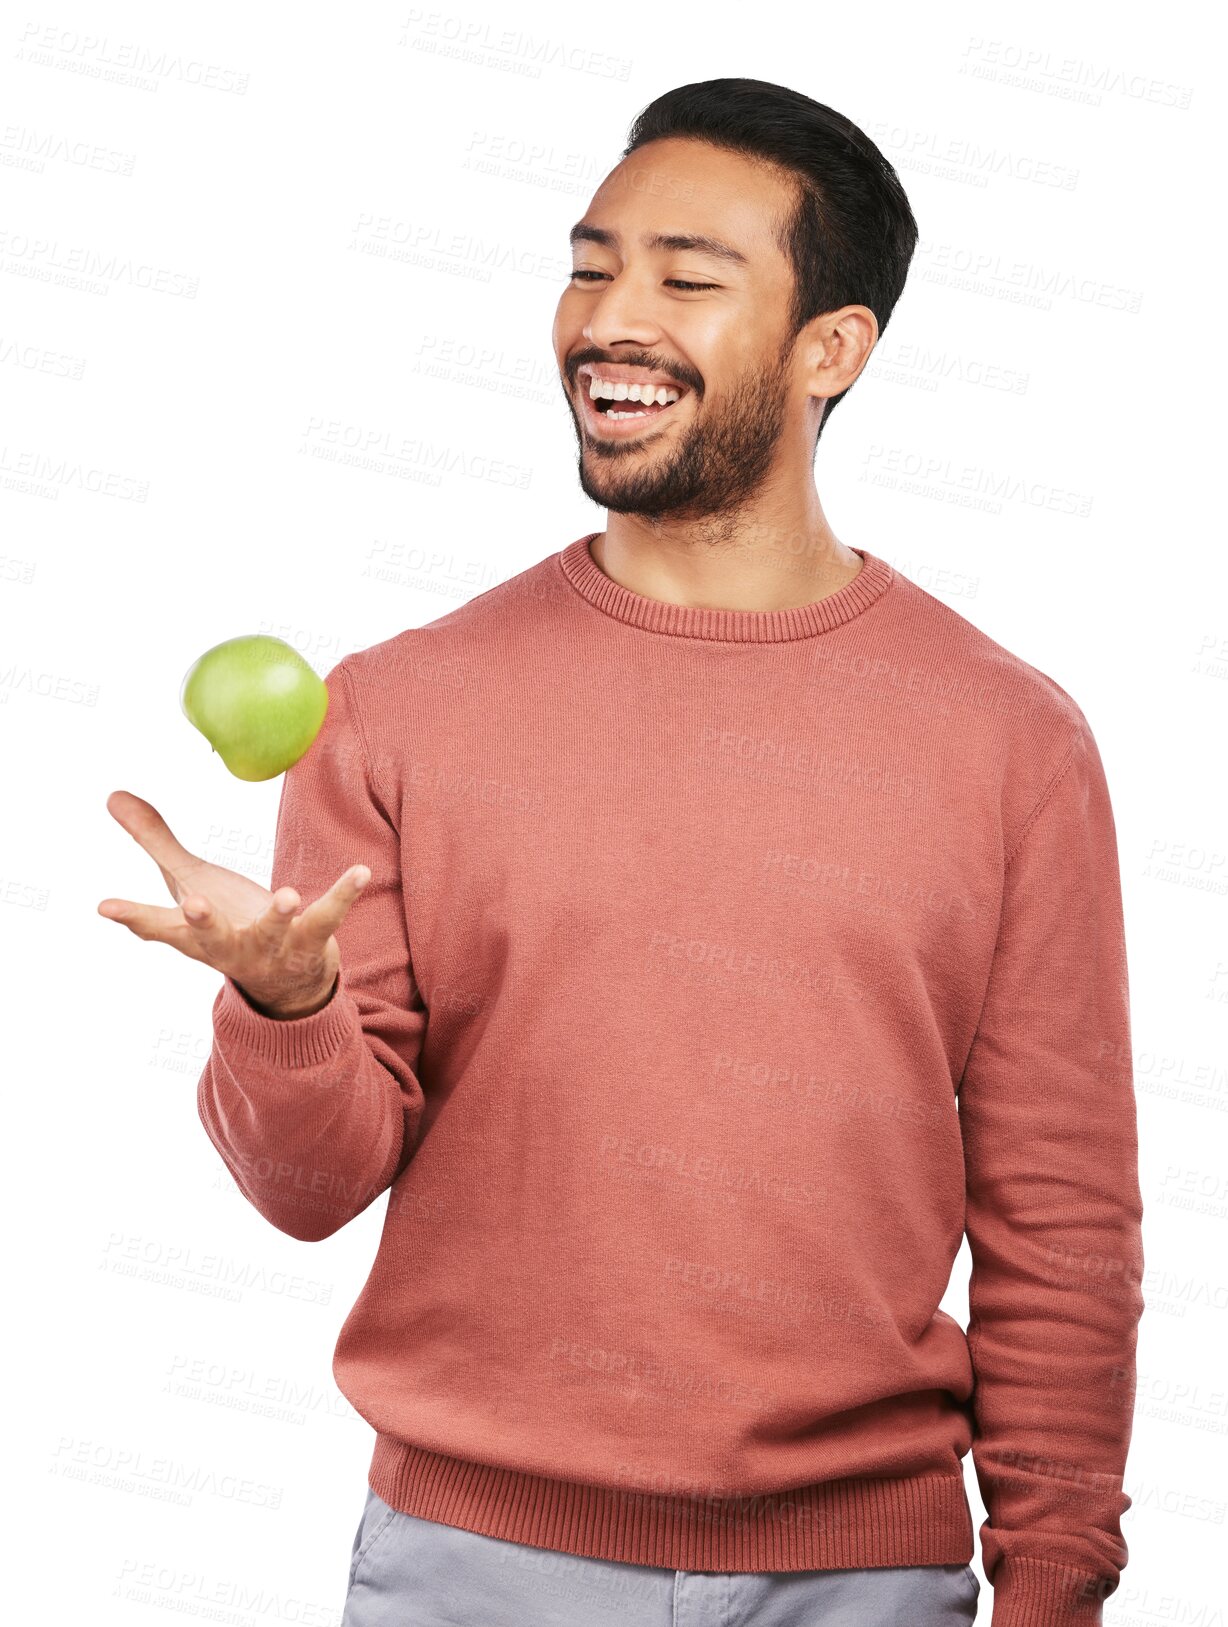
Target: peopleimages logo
119,61
1069,78
965,159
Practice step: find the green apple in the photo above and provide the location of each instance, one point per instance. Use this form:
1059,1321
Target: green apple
257,702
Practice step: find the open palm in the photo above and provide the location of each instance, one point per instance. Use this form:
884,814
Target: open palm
285,962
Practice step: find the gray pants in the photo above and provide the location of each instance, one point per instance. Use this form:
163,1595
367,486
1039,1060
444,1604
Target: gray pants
408,1572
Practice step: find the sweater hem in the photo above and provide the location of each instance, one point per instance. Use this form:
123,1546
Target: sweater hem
832,1525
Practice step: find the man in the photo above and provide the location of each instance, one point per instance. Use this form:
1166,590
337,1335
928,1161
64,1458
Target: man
728,926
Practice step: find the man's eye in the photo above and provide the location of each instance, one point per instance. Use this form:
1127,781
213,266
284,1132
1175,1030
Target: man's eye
675,282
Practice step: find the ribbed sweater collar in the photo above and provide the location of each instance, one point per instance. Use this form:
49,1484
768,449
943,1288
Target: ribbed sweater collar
731,626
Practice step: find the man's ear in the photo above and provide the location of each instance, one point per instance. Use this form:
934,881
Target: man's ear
837,345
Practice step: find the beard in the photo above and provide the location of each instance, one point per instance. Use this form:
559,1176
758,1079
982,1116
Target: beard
713,466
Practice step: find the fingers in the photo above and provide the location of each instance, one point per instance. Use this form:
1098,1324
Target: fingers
270,927
321,919
201,930
146,825
212,934
150,922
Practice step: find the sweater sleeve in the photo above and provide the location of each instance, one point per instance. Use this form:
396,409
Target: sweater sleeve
1054,1213
315,1117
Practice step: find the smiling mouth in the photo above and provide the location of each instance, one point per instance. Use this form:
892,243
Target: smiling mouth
620,418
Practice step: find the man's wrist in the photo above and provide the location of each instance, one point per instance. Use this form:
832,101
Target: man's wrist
287,1014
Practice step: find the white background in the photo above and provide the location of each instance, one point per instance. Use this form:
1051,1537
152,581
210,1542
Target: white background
238,246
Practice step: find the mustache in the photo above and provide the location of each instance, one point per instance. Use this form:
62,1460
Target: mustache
648,363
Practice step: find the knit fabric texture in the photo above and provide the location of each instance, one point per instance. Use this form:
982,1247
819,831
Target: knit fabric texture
719,969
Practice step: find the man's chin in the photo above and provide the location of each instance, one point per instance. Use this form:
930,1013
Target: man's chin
617,501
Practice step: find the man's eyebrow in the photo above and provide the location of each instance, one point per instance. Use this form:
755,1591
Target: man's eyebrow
664,242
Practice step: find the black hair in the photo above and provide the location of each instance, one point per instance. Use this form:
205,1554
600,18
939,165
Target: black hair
851,235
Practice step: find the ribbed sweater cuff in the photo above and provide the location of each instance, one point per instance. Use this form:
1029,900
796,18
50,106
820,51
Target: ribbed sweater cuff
1031,1592
298,1042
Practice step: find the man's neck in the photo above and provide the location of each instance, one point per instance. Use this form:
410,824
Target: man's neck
731,574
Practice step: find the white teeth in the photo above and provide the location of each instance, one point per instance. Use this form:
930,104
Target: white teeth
661,394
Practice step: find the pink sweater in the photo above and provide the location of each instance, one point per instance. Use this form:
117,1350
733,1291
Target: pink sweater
718,969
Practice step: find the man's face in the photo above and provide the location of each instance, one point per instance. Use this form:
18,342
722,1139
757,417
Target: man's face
725,342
